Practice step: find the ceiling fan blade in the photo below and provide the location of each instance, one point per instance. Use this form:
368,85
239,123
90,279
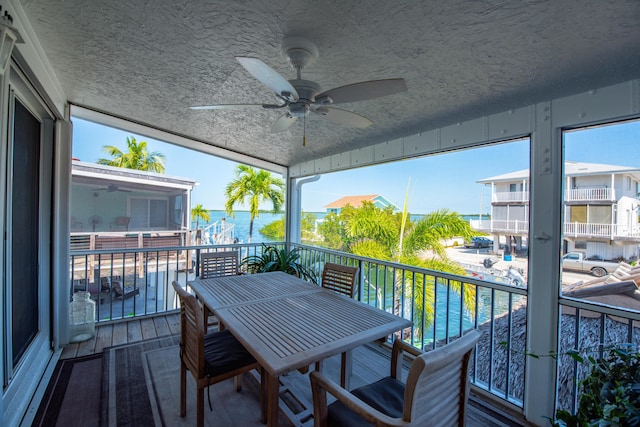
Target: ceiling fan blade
361,91
283,123
343,117
269,77
225,107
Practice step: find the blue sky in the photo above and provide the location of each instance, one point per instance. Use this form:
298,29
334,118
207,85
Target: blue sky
441,181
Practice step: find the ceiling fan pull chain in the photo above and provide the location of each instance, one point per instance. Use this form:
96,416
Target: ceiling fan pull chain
304,132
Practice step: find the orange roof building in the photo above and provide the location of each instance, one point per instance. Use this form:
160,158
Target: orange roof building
356,202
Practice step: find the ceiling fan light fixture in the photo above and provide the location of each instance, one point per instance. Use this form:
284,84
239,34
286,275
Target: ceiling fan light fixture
298,109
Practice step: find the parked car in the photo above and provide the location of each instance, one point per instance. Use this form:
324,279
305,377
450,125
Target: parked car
479,242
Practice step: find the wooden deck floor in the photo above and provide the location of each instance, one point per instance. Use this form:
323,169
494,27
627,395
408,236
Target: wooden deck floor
125,332
480,412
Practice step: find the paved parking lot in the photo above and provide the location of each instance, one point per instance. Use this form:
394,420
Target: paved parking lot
477,256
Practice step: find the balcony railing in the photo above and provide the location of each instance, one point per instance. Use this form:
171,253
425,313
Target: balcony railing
611,231
577,229
494,225
573,195
571,229
589,329
90,241
145,275
510,196
589,194
441,307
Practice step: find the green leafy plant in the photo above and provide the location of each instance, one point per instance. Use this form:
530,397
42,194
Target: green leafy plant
610,394
273,258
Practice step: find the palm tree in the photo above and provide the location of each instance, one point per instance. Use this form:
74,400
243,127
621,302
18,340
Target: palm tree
137,157
253,187
384,234
198,212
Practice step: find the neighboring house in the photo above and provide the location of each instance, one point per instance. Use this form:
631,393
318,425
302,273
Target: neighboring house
601,209
356,202
111,199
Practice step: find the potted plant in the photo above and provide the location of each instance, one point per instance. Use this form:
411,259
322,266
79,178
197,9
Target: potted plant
610,394
273,258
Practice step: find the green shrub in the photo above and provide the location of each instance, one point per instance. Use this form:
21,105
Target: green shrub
610,395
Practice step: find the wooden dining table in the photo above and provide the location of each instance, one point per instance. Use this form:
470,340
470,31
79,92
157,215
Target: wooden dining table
287,323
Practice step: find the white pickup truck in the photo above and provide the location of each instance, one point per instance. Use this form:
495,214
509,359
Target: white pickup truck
578,262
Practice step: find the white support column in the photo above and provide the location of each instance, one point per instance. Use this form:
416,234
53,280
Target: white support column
614,221
61,208
544,266
294,207
293,212
613,187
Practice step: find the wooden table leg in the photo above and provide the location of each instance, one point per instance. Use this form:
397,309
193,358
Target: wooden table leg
273,396
263,395
345,369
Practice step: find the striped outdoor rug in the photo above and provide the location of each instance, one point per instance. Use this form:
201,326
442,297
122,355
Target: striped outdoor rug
141,387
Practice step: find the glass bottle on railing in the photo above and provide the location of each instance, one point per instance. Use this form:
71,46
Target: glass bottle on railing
82,317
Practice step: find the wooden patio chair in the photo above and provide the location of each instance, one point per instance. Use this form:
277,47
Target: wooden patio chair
340,279
216,264
435,393
120,223
210,358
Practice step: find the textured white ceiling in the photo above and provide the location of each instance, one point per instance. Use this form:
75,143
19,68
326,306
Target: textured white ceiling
148,61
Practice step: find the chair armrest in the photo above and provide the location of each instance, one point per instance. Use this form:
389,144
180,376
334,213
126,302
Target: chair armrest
399,347
320,385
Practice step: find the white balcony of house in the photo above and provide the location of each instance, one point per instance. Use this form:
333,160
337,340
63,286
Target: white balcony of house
514,227
510,196
610,231
589,194
573,195
571,229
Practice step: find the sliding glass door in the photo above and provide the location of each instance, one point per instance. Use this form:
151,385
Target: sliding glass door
26,285
24,227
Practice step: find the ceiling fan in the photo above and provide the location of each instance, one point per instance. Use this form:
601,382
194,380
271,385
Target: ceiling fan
113,187
300,96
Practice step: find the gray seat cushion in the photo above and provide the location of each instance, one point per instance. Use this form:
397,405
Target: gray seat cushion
224,353
386,395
